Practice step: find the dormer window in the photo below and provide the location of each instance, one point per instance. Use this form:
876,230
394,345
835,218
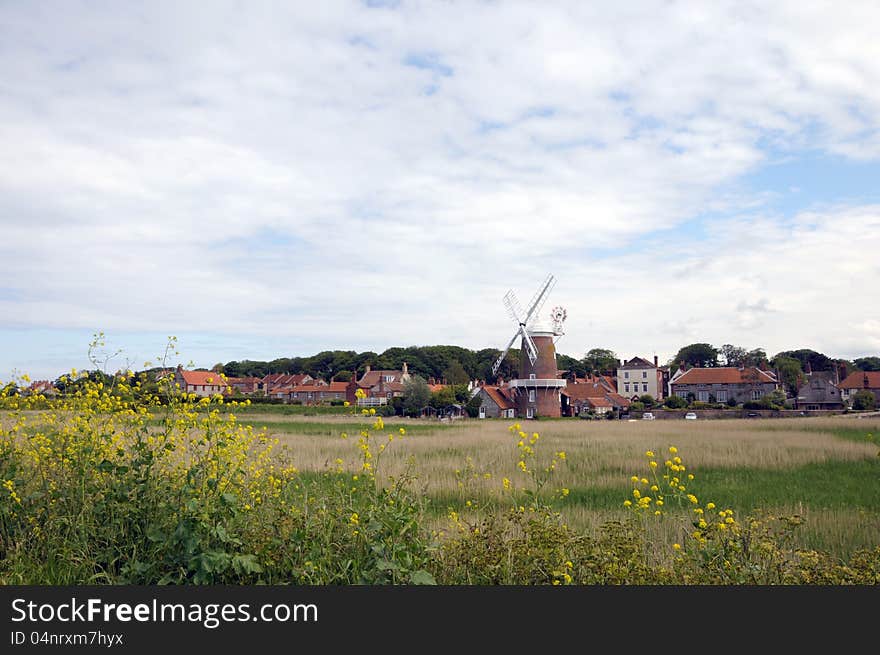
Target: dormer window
389,378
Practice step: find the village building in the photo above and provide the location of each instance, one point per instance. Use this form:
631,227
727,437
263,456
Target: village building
859,381
638,377
496,402
245,385
379,387
201,383
819,390
594,394
721,384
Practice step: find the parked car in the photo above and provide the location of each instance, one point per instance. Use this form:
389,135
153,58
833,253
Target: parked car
647,416
690,416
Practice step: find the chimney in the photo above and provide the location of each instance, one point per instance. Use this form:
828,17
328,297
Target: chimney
405,369
809,369
762,365
841,372
656,362
367,370
500,381
865,381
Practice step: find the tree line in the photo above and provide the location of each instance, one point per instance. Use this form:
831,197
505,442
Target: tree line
458,365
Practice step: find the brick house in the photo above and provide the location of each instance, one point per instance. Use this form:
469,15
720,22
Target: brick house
596,394
245,385
379,386
858,381
316,394
721,383
201,383
275,381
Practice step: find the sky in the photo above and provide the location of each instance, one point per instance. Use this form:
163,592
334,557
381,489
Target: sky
268,180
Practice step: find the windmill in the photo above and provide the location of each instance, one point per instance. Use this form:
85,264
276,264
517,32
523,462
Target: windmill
537,390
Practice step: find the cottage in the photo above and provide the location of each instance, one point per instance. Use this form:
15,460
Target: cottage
591,394
496,402
245,385
379,386
820,391
859,381
723,383
201,383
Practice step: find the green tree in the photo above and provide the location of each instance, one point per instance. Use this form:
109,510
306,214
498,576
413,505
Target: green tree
600,361
867,363
647,400
455,373
816,360
443,398
343,376
698,354
733,355
675,402
864,399
416,395
790,372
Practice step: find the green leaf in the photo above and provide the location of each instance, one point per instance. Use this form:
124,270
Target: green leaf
422,578
386,565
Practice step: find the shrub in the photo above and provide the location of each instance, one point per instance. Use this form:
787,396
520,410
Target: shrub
675,402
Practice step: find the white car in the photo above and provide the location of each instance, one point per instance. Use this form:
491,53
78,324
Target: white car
690,416
647,416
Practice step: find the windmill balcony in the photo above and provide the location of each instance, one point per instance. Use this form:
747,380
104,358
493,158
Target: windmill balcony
542,383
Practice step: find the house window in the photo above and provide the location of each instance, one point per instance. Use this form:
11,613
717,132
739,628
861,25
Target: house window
626,375
703,396
531,376
756,395
645,375
389,394
722,396
531,395
389,378
626,387
682,394
530,413
645,387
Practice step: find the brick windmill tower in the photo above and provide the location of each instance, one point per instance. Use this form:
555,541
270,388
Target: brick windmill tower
537,390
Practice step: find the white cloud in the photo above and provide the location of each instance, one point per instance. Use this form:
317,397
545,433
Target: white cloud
175,168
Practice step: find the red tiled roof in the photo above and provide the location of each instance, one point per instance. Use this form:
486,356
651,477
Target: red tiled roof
725,375
861,380
202,377
599,402
499,397
243,380
585,390
373,378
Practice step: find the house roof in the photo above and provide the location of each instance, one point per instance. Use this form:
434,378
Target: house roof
202,377
584,390
372,378
436,387
638,362
499,396
862,380
333,387
599,402
725,375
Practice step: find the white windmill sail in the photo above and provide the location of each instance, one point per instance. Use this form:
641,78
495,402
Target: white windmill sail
511,303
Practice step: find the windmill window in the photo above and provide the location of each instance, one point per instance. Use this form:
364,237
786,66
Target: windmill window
531,376
531,395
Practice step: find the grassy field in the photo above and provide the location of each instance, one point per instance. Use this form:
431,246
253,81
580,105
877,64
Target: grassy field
824,469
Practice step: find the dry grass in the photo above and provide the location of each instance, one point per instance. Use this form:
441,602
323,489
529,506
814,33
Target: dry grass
600,453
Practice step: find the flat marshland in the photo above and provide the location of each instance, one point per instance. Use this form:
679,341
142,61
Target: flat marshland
826,470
